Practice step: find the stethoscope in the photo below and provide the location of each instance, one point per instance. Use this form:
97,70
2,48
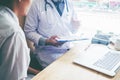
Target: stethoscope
48,3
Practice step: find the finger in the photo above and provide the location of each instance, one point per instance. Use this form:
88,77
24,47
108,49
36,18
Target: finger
54,37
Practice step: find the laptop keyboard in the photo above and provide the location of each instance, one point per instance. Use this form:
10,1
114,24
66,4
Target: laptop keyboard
108,61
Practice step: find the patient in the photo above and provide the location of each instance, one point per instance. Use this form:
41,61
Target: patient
14,52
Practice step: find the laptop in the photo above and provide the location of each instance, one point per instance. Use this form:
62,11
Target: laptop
100,58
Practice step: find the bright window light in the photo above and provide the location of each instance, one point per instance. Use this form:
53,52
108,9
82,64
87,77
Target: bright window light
101,15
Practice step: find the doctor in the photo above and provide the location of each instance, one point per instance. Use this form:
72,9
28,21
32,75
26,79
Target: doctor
14,53
46,21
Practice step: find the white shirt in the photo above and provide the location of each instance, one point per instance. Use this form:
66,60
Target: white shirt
14,53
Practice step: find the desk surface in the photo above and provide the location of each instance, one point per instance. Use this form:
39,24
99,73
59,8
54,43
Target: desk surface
64,69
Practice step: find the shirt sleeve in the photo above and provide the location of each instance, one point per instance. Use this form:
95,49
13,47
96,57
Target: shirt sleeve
14,58
75,22
31,24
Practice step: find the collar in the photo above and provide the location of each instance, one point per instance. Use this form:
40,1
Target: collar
11,13
57,1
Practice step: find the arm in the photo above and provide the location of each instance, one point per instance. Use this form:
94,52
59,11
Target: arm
31,24
15,60
75,22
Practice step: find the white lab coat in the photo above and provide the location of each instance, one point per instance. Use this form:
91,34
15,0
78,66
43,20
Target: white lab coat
46,23
14,53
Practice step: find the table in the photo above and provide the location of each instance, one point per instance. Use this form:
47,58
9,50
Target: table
64,68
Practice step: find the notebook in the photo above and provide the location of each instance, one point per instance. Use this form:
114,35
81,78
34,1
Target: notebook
100,58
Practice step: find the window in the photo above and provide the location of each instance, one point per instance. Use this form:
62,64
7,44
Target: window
98,5
103,15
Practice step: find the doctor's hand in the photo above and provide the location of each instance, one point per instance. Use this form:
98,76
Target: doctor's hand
52,41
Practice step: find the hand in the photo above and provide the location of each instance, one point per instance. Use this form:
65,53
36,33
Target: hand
52,41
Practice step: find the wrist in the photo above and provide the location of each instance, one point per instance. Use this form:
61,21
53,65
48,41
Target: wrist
42,41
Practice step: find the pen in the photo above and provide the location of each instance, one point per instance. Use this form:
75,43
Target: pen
87,47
